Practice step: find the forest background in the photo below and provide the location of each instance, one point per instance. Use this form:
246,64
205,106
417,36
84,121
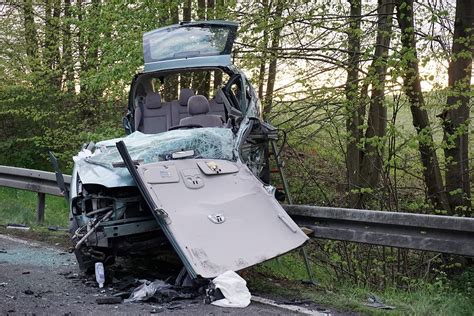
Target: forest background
375,97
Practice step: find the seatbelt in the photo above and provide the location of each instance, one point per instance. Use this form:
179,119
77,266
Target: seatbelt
229,110
140,105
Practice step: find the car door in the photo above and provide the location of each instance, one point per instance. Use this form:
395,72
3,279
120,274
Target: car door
217,215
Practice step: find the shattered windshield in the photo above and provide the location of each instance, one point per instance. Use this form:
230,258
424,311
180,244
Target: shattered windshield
206,143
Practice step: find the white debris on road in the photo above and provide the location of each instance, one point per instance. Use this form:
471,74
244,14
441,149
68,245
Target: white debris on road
234,288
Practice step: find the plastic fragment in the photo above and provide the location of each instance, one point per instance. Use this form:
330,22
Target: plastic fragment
84,153
18,226
147,290
375,302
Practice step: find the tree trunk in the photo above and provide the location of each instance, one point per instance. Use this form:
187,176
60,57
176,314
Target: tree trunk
272,67
80,42
207,74
210,9
412,87
219,14
263,57
456,114
187,11
93,38
372,158
201,9
49,33
55,28
186,78
67,60
51,43
201,80
172,81
352,100
31,37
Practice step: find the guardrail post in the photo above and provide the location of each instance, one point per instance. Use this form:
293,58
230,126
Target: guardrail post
40,209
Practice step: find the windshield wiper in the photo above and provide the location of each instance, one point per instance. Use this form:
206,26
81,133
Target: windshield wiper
193,53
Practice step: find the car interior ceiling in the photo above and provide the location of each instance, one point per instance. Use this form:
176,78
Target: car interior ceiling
154,114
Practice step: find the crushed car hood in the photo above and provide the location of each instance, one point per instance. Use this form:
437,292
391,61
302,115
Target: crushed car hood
99,167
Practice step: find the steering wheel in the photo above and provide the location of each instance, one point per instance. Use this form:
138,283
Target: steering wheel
187,126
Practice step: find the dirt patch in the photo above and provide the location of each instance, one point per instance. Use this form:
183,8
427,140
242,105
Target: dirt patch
42,234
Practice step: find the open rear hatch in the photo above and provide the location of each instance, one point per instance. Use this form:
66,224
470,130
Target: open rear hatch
215,213
189,44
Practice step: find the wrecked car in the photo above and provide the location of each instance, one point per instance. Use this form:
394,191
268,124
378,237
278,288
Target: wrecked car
190,174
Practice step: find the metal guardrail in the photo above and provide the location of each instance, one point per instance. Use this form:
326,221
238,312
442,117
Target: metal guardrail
42,182
446,234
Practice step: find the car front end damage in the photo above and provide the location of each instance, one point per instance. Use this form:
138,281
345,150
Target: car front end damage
191,176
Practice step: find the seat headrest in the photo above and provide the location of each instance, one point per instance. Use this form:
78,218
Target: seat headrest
218,98
184,96
153,100
198,104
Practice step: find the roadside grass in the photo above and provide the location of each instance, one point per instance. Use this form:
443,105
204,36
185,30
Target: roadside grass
283,278
19,207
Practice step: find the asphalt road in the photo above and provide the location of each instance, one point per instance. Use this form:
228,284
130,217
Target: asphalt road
39,279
